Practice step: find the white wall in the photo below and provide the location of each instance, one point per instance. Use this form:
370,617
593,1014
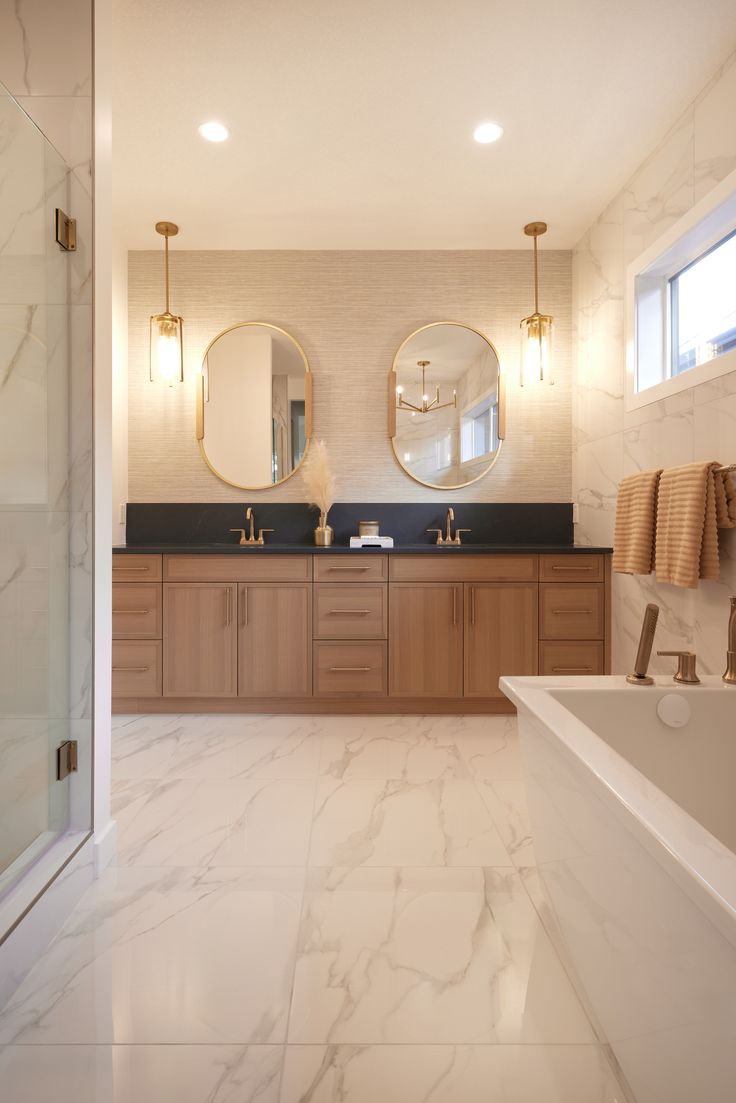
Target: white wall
350,311
699,423
119,389
104,826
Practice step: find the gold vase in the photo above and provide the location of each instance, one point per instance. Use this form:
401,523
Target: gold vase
323,533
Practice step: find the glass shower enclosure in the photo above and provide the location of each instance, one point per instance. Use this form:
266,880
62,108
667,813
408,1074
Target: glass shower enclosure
45,518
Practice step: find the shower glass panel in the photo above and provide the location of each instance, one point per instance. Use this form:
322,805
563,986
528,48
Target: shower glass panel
45,518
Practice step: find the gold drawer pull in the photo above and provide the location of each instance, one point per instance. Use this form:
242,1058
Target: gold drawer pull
349,669
572,669
130,669
131,568
583,567
131,612
585,612
356,568
342,612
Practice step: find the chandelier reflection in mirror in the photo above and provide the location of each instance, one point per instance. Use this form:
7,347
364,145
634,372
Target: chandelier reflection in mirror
166,356
442,441
426,406
536,330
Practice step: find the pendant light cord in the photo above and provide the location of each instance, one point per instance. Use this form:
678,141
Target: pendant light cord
536,280
166,271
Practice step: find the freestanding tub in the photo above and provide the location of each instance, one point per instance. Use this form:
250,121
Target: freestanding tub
634,828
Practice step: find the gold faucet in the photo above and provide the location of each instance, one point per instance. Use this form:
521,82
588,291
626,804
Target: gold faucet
448,539
250,541
730,675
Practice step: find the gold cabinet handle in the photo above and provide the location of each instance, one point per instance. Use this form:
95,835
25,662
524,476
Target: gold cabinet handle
454,605
130,669
560,567
344,612
131,612
245,606
341,568
227,607
572,669
584,612
131,568
472,604
349,669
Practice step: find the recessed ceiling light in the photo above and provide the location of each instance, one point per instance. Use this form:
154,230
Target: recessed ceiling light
487,132
214,132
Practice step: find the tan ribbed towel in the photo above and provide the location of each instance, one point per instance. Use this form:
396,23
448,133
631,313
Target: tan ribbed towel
636,511
692,504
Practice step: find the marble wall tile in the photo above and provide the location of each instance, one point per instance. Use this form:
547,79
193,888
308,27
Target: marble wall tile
661,191
714,137
46,49
694,424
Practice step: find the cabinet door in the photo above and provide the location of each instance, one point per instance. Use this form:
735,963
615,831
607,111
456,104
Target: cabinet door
200,639
425,639
500,634
274,641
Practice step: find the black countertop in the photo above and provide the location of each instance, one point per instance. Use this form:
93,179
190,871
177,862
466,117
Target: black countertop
311,549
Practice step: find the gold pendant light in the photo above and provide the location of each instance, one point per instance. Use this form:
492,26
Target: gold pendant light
426,406
536,330
166,361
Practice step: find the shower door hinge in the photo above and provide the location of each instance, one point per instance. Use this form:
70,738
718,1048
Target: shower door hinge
66,231
66,759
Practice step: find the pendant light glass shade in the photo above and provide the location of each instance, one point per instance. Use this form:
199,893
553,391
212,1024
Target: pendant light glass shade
536,330
166,360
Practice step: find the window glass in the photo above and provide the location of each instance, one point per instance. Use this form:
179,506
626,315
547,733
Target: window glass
703,307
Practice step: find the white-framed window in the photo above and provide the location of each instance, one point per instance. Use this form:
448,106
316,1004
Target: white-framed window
681,302
479,428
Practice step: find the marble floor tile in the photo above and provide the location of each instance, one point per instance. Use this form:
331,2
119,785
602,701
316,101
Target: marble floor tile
399,823
217,747
142,1074
505,799
216,823
429,963
162,956
447,1074
407,748
491,750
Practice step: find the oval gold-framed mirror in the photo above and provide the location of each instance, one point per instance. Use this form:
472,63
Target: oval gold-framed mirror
447,405
254,405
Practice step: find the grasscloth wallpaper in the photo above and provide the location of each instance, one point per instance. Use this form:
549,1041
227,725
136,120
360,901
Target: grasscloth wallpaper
350,311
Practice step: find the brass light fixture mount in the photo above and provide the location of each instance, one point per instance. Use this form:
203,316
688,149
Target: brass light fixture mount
166,359
536,330
426,406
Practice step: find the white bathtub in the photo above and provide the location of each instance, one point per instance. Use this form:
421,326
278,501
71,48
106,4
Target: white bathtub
634,828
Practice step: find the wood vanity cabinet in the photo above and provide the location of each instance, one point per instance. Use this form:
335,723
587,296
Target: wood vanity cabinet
500,634
200,639
365,632
426,639
274,640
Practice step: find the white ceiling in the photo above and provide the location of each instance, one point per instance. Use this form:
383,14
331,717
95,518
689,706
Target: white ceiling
352,120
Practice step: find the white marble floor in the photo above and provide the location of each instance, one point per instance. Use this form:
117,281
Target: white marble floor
306,910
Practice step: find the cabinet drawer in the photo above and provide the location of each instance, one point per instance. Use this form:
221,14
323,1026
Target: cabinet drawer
450,566
351,568
571,568
350,612
136,611
136,668
573,612
136,568
350,669
574,657
250,565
